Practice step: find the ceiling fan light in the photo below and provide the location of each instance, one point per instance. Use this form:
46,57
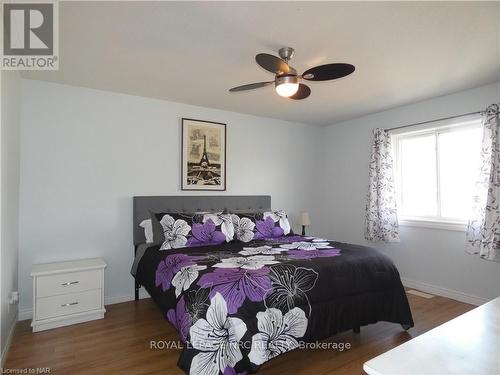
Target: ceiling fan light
287,86
287,89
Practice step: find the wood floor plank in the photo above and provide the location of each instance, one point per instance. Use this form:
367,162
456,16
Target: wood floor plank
120,343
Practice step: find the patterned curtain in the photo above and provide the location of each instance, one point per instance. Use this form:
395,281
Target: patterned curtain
381,216
483,229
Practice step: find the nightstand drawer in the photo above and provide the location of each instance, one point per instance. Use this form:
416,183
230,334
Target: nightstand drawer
53,285
65,304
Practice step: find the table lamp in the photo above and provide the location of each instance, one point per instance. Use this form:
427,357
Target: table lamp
305,221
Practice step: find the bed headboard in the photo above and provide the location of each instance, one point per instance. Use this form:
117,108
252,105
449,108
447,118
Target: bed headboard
186,203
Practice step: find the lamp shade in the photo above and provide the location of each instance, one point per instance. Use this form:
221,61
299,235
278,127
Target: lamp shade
304,219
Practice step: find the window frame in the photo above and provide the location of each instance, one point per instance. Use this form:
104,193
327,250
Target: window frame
436,128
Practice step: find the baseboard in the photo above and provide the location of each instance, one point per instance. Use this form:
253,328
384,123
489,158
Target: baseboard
443,292
111,300
26,314
5,351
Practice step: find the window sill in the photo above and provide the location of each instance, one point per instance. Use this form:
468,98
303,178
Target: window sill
434,224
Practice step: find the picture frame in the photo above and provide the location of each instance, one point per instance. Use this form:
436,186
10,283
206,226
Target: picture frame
203,155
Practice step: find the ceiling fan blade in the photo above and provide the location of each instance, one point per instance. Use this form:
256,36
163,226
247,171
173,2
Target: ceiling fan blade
272,63
250,86
328,71
303,92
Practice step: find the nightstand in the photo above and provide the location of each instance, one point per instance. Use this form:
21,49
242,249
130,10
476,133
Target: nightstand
66,293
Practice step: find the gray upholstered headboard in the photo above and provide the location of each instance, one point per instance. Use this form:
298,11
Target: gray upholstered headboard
185,203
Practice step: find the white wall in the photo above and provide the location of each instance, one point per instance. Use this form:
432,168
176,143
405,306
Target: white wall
85,153
9,135
429,256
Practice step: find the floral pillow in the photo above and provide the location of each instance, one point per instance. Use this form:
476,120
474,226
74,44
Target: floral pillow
188,230
260,225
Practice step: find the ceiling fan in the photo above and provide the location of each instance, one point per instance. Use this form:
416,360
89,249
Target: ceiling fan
286,79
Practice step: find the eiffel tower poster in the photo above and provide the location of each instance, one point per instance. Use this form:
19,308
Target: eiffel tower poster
203,155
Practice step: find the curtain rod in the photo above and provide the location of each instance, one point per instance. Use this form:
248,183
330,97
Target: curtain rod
438,119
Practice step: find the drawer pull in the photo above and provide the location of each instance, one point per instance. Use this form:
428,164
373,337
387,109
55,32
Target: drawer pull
69,304
70,283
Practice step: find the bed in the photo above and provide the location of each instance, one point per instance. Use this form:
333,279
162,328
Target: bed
243,304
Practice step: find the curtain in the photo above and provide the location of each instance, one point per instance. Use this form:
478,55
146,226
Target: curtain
483,228
381,221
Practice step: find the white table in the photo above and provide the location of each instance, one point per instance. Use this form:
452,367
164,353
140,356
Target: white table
468,344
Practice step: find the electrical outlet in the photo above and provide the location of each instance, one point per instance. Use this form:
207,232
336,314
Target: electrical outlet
13,298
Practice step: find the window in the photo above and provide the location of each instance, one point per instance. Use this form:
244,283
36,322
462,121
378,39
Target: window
435,173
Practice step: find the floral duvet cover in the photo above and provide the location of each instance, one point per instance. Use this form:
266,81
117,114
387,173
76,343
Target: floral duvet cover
238,305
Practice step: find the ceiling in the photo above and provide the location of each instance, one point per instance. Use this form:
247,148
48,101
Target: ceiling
193,52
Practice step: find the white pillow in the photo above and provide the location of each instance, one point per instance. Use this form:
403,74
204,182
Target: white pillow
148,230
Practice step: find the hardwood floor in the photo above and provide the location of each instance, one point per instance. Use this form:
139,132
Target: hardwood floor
120,343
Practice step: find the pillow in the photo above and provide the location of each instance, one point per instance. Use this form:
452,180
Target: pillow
177,230
260,225
147,225
158,235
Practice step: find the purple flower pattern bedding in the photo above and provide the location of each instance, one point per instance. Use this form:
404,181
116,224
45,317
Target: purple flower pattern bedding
237,304
260,225
178,230
196,229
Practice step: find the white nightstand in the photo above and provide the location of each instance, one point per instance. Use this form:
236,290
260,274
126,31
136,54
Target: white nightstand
67,293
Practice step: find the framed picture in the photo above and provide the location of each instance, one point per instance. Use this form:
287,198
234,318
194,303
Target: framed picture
203,155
